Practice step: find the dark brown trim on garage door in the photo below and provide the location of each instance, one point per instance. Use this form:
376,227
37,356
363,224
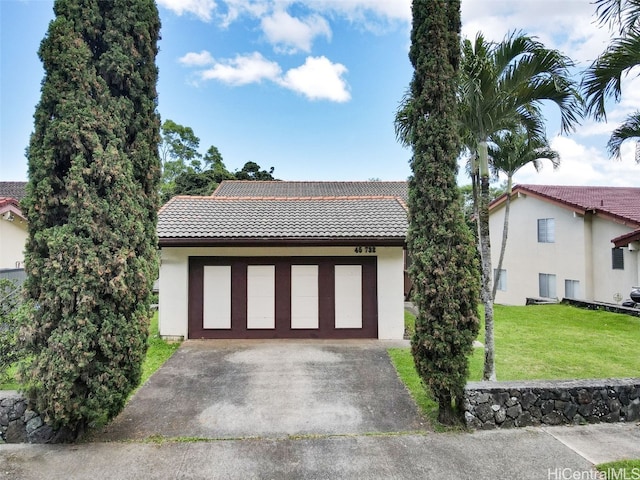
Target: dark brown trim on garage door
326,297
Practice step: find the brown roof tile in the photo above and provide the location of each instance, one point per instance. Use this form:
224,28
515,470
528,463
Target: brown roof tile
283,218
619,202
15,190
245,188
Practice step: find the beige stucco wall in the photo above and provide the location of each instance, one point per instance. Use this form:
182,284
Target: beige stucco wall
13,236
581,251
609,282
173,285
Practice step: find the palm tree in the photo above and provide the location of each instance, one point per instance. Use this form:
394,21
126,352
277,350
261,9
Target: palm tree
603,79
503,86
512,150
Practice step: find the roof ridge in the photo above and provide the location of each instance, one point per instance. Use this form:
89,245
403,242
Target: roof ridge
288,198
373,182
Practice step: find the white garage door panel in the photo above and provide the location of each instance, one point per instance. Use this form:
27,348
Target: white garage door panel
348,296
304,296
216,309
261,298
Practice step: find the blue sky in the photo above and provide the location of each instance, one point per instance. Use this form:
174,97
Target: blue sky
311,87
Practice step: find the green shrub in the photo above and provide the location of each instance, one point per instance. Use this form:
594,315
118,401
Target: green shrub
12,313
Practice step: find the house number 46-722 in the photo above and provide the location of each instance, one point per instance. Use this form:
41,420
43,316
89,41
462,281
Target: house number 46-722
365,249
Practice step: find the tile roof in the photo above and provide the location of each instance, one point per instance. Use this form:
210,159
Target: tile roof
283,218
15,190
239,188
622,203
10,204
6,201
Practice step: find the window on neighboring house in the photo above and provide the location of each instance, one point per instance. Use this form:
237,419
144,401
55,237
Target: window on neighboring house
546,230
547,282
572,288
617,258
500,281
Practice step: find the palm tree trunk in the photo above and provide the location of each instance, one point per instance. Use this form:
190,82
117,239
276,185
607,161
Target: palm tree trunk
505,232
485,257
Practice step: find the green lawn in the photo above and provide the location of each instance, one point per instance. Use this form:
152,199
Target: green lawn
158,352
544,342
561,342
623,469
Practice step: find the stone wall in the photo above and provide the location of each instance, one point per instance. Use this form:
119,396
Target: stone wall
18,424
491,405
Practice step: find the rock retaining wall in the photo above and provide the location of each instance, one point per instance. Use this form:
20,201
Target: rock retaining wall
491,405
18,424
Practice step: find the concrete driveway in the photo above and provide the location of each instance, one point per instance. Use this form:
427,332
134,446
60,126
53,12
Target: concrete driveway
270,389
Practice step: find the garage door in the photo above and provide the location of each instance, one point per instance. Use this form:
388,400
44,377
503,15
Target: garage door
283,297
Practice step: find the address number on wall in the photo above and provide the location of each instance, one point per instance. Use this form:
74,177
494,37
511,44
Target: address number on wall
365,249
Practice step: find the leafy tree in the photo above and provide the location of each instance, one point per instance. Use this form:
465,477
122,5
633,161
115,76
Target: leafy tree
187,172
502,86
203,183
511,151
251,171
91,204
11,349
444,269
603,79
213,160
179,154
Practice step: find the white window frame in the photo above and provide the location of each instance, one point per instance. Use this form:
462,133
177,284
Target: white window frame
547,285
546,230
572,288
502,281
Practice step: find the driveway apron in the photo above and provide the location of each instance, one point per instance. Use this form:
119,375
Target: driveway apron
274,389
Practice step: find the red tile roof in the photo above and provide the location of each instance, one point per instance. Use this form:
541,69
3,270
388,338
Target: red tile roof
6,201
622,203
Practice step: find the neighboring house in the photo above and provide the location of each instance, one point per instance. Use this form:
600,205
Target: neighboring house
15,190
13,234
567,241
284,260
13,228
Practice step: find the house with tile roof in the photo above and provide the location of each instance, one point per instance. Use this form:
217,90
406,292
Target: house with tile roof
13,234
284,260
15,190
567,242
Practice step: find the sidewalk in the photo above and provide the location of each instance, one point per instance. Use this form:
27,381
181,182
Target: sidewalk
532,453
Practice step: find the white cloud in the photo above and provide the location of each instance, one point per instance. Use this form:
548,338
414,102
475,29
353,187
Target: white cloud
361,10
292,34
583,165
568,26
203,9
242,70
369,13
318,79
193,59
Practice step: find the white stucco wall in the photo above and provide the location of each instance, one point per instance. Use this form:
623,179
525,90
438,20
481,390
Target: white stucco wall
13,236
174,282
609,282
581,251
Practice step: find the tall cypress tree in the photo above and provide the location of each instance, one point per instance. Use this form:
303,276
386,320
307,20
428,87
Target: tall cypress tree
92,209
444,270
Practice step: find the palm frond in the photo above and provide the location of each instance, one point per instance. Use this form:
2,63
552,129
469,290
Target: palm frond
623,14
603,79
628,130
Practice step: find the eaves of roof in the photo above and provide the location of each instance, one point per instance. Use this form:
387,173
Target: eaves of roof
626,239
8,204
567,204
282,242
